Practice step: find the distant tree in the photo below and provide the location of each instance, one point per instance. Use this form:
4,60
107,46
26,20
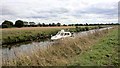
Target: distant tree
69,24
80,24
19,23
39,24
50,24
7,24
32,23
58,24
46,24
25,23
43,24
86,24
72,24
53,24
117,24
76,24
64,25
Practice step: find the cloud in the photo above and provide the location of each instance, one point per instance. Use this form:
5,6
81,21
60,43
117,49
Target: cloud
64,11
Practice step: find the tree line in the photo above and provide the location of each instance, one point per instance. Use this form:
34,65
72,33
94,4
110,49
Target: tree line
20,23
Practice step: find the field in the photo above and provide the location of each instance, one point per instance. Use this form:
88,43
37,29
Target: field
15,35
95,49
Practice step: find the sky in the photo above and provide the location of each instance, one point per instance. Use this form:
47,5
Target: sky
62,11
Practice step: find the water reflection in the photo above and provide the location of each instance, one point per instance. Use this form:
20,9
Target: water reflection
11,51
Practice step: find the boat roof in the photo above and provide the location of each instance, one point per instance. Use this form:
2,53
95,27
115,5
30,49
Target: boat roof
63,31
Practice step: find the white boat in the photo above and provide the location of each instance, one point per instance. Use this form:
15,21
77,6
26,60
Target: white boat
61,34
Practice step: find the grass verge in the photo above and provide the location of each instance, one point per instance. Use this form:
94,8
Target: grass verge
104,52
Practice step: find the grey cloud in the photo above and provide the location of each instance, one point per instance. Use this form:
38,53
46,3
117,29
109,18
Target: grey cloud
55,11
49,13
59,11
42,16
107,12
6,10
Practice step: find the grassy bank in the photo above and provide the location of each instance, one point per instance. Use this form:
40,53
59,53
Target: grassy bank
15,35
104,52
60,53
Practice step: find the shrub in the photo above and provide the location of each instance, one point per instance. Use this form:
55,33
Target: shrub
7,24
19,23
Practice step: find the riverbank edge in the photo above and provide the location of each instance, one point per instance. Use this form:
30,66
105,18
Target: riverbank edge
103,53
40,36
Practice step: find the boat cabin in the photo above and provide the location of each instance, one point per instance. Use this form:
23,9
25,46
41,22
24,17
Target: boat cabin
61,34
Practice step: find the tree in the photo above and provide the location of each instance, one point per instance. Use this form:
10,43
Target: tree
71,24
25,23
58,24
19,23
86,24
32,23
64,25
39,24
53,24
43,24
7,24
49,24
76,24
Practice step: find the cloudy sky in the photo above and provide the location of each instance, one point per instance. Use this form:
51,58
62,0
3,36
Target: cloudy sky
63,11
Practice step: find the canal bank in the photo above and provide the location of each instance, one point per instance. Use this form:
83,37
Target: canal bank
31,49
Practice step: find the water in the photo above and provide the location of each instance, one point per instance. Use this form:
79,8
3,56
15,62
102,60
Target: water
12,51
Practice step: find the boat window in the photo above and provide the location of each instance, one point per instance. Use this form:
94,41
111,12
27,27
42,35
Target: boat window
66,33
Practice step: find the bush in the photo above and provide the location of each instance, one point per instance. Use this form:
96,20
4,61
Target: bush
7,24
19,23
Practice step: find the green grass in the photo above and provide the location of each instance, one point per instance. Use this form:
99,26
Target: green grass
105,52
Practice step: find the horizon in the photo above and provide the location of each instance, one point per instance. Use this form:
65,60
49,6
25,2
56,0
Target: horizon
62,11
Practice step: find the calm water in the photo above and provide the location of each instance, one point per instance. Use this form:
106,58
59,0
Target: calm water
11,52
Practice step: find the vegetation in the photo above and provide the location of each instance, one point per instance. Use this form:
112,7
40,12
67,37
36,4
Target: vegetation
14,35
64,52
7,24
19,23
104,52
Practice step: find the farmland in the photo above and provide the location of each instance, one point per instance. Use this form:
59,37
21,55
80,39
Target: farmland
15,35
77,51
